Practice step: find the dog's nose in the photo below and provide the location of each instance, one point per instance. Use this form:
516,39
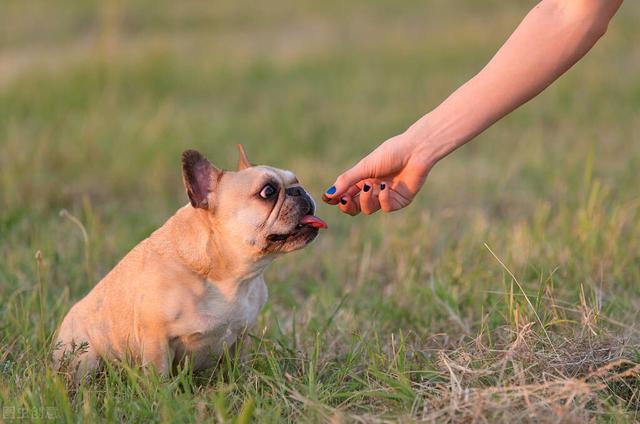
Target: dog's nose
307,204
294,191
311,207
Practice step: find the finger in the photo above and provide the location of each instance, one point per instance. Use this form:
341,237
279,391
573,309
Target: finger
383,197
387,199
369,197
352,191
331,200
390,200
348,179
350,205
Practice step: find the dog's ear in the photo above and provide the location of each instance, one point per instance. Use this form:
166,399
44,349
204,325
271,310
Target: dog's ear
198,175
243,161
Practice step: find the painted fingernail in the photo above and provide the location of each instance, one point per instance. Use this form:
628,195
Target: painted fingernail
382,186
343,201
366,187
331,190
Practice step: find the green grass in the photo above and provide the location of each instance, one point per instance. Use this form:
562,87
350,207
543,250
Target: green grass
509,290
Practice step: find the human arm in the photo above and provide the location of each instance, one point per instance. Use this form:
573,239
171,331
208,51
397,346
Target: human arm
551,38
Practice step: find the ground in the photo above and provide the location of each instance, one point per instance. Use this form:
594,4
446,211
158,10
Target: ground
508,291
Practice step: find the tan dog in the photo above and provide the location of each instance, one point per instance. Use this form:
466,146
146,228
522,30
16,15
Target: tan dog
196,283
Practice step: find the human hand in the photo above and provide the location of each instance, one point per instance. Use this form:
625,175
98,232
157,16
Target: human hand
388,178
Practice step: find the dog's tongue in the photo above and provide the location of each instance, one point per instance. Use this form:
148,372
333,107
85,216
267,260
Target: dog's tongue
313,221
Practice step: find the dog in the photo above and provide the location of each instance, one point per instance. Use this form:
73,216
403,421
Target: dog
194,286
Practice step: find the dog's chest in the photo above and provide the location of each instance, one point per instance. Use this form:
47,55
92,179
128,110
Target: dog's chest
213,319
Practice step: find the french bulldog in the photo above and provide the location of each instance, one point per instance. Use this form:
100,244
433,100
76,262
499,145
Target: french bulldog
196,283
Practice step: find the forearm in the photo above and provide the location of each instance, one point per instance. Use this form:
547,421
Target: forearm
551,38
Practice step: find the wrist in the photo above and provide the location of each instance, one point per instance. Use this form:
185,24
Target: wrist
430,142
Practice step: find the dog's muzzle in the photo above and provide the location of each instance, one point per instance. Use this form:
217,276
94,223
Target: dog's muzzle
304,197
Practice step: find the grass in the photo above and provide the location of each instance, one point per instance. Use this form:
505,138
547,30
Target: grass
509,291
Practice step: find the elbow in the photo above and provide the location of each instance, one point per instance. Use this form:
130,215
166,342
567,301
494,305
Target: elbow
591,16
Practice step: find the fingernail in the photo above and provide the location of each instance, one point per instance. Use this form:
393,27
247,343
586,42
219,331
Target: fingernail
366,187
331,190
343,201
382,186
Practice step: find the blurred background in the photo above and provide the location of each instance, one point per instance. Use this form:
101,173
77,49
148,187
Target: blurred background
99,98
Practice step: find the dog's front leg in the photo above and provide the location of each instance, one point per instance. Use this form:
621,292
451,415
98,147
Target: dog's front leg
156,354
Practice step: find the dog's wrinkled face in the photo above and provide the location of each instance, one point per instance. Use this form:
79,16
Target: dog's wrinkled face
260,209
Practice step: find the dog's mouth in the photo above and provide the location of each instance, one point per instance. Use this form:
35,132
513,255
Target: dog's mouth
307,223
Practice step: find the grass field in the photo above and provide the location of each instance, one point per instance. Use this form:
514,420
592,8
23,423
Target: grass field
509,290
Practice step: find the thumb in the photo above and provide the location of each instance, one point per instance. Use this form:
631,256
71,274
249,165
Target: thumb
348,179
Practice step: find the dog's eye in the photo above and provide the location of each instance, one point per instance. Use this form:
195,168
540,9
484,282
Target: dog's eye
267,191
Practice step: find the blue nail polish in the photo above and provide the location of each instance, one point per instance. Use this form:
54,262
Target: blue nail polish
366,188
382,186
331,190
